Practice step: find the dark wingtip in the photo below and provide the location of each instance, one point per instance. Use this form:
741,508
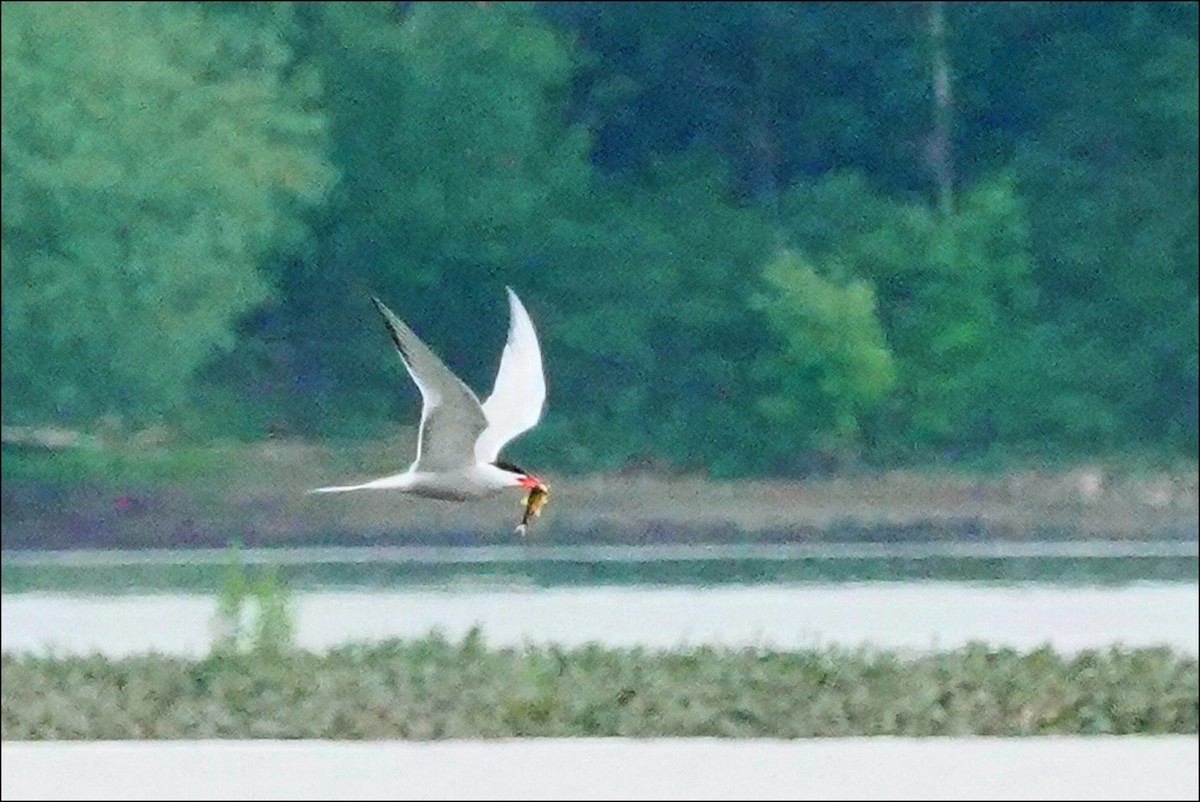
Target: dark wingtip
387,316
383,311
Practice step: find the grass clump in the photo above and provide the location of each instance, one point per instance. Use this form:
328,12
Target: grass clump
252,614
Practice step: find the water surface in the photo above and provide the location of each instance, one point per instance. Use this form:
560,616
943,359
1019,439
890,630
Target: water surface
919,616
388,568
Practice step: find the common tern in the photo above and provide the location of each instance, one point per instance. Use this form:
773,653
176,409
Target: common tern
460,439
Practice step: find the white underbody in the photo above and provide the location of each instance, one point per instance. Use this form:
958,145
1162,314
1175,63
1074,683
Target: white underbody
468,482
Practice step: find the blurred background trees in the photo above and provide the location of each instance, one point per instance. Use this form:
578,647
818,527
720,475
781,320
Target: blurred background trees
724,218
153,157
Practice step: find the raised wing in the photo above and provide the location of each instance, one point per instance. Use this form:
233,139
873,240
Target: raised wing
515,405
451,417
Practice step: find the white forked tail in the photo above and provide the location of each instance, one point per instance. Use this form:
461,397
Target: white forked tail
399,480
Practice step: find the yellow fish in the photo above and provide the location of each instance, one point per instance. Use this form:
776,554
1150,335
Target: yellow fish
533,505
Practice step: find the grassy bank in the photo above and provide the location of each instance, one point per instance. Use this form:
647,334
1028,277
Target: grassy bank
432,688
152,496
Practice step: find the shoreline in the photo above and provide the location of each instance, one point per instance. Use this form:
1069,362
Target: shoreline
256,494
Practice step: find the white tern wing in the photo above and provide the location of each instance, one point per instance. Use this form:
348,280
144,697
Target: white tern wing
451,417
515,405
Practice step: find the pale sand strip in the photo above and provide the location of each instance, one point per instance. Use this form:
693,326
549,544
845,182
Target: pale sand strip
854,768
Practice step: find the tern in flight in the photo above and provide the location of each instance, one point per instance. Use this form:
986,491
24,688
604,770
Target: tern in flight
460,438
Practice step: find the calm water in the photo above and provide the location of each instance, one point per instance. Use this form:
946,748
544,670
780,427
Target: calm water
916,596
918,616
203,571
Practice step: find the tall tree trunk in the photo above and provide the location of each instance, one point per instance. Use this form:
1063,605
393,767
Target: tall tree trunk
940,156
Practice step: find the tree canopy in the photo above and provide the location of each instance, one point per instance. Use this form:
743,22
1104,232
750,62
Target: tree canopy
153,158
751,234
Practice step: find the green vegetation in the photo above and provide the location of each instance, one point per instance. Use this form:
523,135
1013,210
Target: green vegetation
123,466
834,365
432,688
255,683
254,616
749,242
154,157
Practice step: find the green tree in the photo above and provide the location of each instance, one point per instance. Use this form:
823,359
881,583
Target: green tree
449,134
449,124
654,333
635,171
833,364
780,90
1112,185
153,156
956,300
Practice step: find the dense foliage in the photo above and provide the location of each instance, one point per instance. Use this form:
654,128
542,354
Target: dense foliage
432,688
153,157
748,235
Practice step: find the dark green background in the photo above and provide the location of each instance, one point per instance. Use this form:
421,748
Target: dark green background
723,218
